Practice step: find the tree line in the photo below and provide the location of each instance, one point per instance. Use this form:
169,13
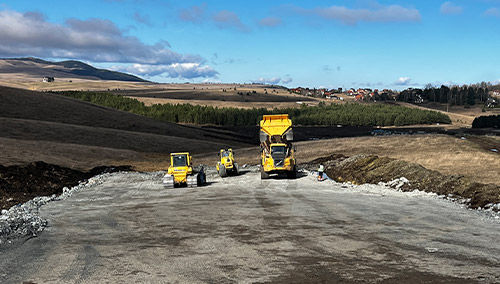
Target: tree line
492,121
455,95
350,114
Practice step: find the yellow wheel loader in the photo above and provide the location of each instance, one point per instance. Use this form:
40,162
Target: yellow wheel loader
181,173
277,153
227,166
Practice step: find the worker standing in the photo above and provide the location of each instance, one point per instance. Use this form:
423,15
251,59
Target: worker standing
320,172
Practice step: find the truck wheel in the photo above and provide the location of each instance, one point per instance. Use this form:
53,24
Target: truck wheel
263,174
222,171
202,179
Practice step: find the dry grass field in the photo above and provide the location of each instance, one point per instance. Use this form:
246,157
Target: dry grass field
221,104
443,153
460,116
76,84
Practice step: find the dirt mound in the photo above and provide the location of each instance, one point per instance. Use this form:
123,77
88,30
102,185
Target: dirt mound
372,169
19,184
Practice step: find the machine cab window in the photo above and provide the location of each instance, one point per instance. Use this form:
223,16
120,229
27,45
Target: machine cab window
180,160
277,150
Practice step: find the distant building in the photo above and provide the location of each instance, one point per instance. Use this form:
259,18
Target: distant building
491,103
47,79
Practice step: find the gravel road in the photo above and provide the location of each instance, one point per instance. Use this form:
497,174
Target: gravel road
243,230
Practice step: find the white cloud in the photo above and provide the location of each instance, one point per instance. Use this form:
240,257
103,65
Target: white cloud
403,81
271,81
93,40
380,13
493,12
175,70
287,80
448,8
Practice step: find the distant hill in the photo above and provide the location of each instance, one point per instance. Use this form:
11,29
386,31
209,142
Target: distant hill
35,67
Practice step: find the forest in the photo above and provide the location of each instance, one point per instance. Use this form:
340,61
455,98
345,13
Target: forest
349,114
490,121
466,95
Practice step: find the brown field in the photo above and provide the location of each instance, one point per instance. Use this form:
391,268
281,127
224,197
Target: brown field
443,153
238,96
460,116
42,126
77,84
220,104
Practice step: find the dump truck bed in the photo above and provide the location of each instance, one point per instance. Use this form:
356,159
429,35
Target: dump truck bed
275,124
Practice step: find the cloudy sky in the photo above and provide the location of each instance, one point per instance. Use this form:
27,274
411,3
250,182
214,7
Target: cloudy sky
355,43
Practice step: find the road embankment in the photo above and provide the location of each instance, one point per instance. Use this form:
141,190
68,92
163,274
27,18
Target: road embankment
372,169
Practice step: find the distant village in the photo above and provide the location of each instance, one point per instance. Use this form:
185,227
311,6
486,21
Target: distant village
365,94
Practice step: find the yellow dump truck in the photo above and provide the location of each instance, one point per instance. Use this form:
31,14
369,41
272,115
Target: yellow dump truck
277,153
227,165
181,173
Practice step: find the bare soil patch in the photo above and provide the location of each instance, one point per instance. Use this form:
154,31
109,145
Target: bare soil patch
19,184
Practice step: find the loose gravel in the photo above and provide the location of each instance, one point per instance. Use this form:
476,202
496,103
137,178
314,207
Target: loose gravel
23,221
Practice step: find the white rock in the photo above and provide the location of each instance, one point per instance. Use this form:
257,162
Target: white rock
432,250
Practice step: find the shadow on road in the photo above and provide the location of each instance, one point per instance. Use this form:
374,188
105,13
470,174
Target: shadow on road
284,176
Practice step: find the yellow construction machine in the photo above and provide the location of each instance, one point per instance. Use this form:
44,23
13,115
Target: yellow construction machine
227,166
181,173
277,153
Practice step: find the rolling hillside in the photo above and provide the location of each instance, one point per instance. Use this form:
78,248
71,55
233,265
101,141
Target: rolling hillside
35,68
68,132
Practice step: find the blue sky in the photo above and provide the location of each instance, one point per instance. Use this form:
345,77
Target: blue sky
366,43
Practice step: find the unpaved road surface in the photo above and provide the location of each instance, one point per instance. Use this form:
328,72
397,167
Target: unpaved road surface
244,230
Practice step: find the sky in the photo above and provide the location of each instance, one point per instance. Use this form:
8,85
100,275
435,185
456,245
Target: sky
359,43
